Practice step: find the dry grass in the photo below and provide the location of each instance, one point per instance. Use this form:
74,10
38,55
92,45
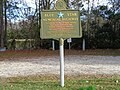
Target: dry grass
37,53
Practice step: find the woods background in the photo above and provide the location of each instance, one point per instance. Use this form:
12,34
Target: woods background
20,24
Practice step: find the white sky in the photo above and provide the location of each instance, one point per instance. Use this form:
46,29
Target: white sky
31,3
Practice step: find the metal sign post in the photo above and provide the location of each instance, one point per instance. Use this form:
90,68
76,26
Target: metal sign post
61,41
53,45
83,44
69,41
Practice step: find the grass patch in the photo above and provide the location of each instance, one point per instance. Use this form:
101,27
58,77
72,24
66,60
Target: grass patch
52,83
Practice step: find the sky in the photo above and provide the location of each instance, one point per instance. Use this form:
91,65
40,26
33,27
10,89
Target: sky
101,2
31,3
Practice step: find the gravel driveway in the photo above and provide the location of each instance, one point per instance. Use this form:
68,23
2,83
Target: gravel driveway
74,65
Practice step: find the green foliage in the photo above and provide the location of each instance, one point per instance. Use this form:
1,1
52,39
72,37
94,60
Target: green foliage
87,88
104,30
10,34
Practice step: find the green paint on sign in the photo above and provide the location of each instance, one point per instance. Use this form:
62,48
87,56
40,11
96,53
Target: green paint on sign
60,24
60,5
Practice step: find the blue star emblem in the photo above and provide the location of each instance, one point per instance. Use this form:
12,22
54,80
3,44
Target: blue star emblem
60,15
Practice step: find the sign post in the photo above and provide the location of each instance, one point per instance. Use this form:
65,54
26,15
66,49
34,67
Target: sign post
61,42
60,24
53,45
69,41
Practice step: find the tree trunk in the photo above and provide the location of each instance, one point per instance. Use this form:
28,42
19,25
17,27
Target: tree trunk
1,25
5,36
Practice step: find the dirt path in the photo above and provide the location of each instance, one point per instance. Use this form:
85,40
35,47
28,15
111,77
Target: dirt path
74,65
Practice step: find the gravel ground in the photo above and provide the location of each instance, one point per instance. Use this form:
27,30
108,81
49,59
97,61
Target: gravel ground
74,65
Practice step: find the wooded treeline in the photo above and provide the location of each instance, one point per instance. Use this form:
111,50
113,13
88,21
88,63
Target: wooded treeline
20,24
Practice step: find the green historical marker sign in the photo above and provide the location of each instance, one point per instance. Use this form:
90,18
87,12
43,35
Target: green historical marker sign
60,24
